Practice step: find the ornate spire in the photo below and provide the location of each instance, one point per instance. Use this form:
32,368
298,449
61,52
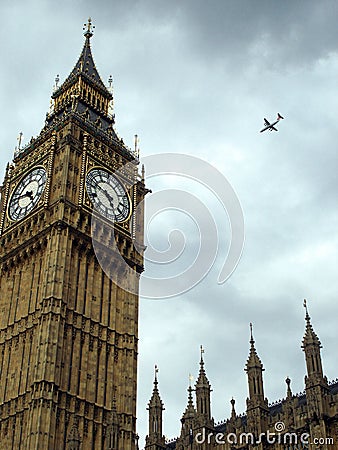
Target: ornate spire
190,411
311,346
203,393
310,337
155,400
85,68
84,95
155,439
253,359
202,380
254,369
188,421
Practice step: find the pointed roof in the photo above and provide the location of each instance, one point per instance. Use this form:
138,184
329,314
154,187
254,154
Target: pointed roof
85,67
202,380
253,359
310,337
155,401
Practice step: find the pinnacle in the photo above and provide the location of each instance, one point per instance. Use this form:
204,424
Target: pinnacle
310,337
288,383
253,359
202,380
190,410
155,400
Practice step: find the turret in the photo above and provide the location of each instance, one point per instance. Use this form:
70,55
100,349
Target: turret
203,391
257,405
311,346
188,422
254,369
315,382
155,439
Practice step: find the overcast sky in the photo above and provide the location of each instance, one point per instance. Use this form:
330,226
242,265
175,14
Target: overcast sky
198,78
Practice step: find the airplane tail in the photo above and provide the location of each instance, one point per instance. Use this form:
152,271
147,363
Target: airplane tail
279,116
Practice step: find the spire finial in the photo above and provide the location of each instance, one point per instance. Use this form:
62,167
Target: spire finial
190,400
136,148
307,317
88,28
19,139
191,379
310,336
156,372
57,79
202,351
252,341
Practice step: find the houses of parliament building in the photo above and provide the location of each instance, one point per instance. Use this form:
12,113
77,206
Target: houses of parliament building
71,257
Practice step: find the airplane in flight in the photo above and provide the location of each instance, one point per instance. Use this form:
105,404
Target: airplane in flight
271,126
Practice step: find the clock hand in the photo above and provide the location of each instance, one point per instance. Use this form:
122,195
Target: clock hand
109,197
27,194
106,193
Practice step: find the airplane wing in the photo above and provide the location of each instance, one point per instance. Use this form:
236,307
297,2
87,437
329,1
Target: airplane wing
273,128
266,122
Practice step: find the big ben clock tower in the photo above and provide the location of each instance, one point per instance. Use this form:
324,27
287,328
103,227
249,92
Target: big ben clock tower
68,326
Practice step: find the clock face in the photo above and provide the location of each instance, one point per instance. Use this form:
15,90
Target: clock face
27,193
108,195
